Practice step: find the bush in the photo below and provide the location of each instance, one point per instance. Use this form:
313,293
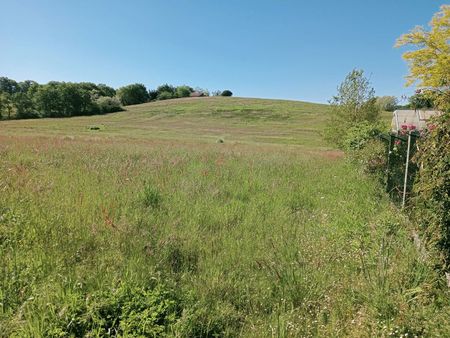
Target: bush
152,95
431,203
166,88
165,96
108,104
133,94
125,311
183,91
387,103
227,93
358,135
372,157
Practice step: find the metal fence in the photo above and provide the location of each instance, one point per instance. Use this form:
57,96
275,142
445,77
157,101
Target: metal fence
400,169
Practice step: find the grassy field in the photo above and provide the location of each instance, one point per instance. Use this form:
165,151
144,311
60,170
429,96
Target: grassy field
202,217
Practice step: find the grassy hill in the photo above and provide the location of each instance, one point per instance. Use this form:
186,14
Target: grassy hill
196,119
149,226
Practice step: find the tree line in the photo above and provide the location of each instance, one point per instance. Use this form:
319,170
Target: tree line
29,99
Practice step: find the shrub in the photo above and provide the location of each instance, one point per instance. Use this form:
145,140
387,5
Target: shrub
165,96
372,157
358,135
125,311
166,88
152,95
133,94
387,103
183,91
108,104
227,93
432,189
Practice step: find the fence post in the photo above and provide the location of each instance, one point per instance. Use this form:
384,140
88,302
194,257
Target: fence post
406,170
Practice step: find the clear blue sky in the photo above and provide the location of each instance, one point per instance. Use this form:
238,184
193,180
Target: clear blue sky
291,49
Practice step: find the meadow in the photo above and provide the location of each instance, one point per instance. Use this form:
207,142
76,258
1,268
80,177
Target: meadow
203,217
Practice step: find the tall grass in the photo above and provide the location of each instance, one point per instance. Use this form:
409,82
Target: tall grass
111,238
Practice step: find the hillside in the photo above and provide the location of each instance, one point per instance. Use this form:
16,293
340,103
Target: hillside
143,223
195,119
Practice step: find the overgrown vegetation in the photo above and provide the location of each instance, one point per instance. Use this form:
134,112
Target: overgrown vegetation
429,66
432,189
354,104
186,237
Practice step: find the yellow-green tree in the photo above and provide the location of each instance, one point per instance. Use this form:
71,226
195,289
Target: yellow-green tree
429,62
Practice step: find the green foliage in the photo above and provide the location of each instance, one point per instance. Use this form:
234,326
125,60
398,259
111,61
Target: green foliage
358,135
105,90
387,103
432,188
124,311
152,95
429,61
133,94
183,91
6,105
8,85
165,96
61,99
226,93
166,88
371,158
354,103
420,101
108,104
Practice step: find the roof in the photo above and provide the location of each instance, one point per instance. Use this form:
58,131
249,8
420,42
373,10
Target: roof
196,94
417,118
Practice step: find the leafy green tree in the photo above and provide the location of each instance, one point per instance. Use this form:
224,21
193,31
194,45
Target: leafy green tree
226,93
354,103
183,91
166,88
152,95
6,105
420,101
165,96
108,104
387,103
105,90
8,85
49,100
24,105
429,62
133,94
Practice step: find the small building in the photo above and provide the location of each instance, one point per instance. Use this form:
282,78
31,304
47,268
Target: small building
197,94
417,118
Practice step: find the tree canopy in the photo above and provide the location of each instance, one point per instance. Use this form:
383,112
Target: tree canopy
429,62
353,104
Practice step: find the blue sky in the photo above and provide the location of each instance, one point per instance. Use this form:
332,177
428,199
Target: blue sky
289,49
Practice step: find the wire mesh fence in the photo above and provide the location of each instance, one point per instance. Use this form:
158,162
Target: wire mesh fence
400,169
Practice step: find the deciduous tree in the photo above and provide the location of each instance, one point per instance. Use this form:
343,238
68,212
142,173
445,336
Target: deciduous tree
429,62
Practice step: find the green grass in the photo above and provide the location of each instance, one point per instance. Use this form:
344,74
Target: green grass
149,226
